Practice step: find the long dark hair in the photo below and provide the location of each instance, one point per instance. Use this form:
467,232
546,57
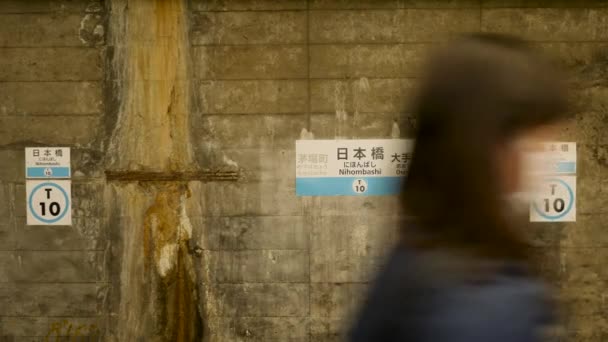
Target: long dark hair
479,91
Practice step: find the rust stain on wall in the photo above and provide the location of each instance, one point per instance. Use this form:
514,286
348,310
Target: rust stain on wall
168,264
158,299
151,57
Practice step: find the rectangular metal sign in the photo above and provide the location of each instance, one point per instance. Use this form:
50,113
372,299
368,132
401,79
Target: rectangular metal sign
555,188
48,199
49,202
351,167
47,162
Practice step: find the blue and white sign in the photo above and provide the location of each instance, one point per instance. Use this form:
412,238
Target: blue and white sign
351,167
47,162
555,188
553,158
556,200
49,202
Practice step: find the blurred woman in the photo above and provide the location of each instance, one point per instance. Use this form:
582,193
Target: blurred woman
462,272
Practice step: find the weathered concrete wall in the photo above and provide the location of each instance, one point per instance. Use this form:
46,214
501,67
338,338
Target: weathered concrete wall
53,279
291,269
264,73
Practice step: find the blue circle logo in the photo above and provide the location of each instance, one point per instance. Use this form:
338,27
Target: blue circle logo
568,208
31,202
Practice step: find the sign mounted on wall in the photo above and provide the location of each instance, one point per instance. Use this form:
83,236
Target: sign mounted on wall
555,189
48,200
351,167
47,162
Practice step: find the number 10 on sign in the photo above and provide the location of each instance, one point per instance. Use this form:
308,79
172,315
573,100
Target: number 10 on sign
555,200
48,202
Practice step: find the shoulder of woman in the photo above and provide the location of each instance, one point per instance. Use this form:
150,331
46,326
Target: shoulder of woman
507,309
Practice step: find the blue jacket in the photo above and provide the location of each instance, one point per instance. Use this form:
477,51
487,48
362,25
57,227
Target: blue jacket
424,297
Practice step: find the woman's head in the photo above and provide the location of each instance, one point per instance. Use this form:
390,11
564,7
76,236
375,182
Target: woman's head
481,96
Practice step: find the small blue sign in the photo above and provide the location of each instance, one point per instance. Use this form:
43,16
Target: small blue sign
565,167
48,172
348,186
47,162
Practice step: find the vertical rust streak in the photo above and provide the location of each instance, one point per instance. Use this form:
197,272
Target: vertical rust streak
158,292
177,316
152,132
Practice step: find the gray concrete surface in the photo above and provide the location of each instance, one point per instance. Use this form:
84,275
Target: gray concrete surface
274,267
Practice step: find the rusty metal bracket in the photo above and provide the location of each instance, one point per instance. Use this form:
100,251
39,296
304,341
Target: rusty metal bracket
151,176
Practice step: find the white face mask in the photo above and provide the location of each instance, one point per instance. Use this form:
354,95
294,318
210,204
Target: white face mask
533,163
